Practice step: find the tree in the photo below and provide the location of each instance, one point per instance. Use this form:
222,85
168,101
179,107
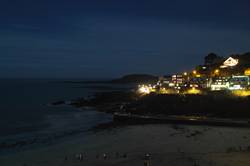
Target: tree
213,59
210,58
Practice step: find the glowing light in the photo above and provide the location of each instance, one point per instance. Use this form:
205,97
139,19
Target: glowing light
185,73
241,93
194,85
194,72
167,91
216,87
230,62
247,72
193,90
197,75
235,87
171,84
143,89
216,71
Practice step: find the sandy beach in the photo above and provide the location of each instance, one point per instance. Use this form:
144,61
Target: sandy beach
168,145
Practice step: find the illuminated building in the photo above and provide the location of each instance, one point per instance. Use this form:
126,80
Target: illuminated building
230,83
198,82
177,79
238,82
230,62
232,74
165,80
220,83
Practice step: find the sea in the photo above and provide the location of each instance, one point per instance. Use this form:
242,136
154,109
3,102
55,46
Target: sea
27,120
33,133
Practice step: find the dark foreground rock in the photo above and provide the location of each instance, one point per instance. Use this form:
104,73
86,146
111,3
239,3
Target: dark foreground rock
198,105
107,101
210,105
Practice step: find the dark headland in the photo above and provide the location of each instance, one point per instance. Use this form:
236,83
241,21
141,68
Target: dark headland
130,107
217,92
126,79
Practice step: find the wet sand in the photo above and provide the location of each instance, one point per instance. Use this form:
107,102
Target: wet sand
172,145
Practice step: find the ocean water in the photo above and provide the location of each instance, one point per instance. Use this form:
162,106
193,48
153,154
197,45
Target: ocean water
36,134
27,120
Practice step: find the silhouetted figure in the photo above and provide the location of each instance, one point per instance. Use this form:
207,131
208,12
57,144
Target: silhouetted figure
147,159
80,157
105,156
66,158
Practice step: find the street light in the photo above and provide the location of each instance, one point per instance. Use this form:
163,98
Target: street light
217,71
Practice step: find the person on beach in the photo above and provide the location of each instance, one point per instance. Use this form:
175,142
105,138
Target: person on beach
105,156
81,156
147,159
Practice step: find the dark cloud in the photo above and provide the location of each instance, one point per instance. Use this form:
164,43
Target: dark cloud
97,37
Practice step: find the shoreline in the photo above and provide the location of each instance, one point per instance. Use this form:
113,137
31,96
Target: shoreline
188,120
46,137
129,107
168,145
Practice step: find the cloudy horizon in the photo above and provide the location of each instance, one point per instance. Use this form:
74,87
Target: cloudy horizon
94,39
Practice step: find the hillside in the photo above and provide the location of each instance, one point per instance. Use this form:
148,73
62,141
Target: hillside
136,78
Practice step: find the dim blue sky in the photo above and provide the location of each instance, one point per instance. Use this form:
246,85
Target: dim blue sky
110,38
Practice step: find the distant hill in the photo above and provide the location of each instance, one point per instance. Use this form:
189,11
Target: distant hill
136,78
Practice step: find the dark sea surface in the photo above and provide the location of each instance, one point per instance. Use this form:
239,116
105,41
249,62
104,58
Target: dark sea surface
26,119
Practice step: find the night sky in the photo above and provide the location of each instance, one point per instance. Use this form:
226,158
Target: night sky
110,38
